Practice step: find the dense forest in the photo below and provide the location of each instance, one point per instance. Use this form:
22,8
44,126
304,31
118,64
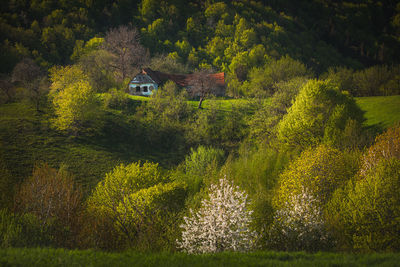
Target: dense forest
301,153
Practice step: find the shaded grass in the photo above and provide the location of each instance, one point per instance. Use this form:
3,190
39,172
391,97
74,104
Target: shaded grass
383,111
61,257
26,137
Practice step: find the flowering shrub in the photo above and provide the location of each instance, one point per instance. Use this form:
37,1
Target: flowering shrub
300,225
221,224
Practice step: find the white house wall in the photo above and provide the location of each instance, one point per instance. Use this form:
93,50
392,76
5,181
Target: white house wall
132,88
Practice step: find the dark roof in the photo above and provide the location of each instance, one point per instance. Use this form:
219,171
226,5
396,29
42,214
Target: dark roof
180,79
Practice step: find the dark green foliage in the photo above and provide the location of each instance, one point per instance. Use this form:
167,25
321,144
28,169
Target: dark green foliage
24,230
263,123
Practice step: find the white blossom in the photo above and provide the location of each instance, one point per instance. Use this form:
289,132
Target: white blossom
300,225
221,224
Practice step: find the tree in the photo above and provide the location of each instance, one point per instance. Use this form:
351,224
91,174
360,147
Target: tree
138,200
300,225
7,89
126,50
365,214
319,171
202,84
221,224
53,197
386,146
29,74
320,113
74,99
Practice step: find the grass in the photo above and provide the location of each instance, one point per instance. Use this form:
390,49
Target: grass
61,257
26,137
380,110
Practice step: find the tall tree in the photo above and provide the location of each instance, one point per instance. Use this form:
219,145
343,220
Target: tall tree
126,50
29,74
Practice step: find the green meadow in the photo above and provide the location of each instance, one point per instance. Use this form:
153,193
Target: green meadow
61,257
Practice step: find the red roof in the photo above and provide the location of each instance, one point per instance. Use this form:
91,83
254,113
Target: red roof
180,79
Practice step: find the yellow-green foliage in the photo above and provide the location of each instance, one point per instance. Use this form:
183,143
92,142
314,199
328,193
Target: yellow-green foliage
366,213
73,98
387,145
139,201
320,113
319,171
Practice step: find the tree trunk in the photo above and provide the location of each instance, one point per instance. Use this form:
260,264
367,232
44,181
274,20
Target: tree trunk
201,101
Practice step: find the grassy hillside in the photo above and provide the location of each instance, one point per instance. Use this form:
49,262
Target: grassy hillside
381,110
26,137
60,257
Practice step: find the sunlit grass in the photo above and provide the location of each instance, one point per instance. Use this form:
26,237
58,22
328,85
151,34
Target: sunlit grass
380,110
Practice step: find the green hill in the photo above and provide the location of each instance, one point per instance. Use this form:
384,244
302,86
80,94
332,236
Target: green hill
26,138
381,110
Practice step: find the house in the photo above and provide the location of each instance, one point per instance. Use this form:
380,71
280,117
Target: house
147,81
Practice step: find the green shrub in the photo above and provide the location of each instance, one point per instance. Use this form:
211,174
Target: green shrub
320,171
24,231
139,203
116,99
320,113
304,189
366,213
53,198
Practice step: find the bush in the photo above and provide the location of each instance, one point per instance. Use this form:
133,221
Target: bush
320,114
139,203
55,200
24,231
319,171
221,224
300,225
377,80
387,145
304,189
366,213
198,163
262,81
116,99
263,123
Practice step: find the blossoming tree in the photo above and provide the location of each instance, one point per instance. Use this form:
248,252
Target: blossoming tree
221,224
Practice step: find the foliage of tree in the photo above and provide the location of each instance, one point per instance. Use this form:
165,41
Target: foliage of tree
365,213
221,224
262,81
263,123
53,197
139,201
29,74
319,171
126,50
386,146
320,113
300,225
7,89
73,99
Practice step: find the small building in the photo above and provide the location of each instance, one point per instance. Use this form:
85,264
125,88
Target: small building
148,81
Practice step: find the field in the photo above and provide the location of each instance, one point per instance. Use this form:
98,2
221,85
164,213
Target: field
381,110
26,137
61,257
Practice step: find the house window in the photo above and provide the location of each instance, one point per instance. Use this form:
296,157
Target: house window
137,89
145,89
